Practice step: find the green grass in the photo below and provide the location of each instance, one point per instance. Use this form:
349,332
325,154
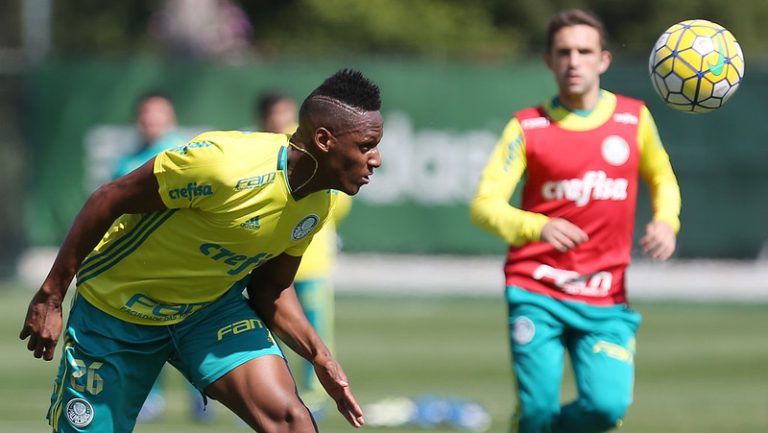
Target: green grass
700,367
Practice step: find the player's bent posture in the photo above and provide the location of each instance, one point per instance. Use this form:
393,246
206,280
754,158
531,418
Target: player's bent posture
163,254
570,240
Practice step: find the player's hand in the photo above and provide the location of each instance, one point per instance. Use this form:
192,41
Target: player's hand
42,325
562,234
659,241
335,382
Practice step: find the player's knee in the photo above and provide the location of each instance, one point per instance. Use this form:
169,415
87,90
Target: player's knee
534,417
608,413
292,416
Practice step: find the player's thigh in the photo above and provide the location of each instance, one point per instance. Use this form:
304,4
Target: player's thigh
263,393
537,343
106,370
603,361
227,351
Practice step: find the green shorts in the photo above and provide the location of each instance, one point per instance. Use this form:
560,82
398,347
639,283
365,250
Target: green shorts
108,365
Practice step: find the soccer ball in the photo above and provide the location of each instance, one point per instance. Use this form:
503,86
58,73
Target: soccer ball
696,66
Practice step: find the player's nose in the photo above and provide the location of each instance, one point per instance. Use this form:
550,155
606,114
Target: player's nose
374,160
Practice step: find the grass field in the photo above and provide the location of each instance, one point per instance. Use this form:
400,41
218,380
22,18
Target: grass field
700,367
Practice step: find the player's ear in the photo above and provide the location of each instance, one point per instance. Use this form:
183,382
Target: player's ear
548,59
605,60
324,139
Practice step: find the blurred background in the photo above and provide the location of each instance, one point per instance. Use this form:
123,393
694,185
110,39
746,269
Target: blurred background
451,73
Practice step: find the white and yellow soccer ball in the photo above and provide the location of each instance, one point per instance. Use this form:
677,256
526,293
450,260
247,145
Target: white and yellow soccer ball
696,66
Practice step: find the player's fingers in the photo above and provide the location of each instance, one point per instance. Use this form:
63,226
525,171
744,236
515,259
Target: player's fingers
567,242
50,349
351,410
577,234
32,343
665,251
652,250
39,348
649,243
25,331
556,244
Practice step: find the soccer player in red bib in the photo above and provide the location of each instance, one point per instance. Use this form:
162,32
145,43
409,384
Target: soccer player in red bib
581,153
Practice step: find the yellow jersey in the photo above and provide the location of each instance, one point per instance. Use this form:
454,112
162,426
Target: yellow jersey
320,256
230,209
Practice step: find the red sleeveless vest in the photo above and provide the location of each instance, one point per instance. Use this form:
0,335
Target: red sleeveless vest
590,179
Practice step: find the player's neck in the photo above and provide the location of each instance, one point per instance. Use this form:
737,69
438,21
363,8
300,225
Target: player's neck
581,102
302,169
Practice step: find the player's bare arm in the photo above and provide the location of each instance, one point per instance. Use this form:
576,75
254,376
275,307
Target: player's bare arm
562,234
659,241
136,192
275,301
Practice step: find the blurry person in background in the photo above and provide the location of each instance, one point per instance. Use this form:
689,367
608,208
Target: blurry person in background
156,125
582,153
277,113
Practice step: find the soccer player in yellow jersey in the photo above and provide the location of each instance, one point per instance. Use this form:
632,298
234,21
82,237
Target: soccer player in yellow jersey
276,113
163,254
582,154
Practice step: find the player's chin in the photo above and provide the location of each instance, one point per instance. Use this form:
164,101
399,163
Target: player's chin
351,188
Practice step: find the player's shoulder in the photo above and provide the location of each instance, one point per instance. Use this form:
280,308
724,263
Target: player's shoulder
235,144
626,102
532,117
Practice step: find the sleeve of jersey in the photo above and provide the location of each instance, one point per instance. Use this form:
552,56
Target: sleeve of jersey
342,207
490,208
192,176
656,171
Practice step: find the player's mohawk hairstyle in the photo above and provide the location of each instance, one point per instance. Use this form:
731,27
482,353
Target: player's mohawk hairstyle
352,88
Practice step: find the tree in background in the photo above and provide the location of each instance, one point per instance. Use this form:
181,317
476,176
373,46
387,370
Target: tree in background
484,29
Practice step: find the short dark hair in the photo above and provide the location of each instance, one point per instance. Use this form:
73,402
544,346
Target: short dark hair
266,101
352,88
572,17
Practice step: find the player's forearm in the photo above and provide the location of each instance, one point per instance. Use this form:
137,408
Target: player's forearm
89,226
281,311
515,226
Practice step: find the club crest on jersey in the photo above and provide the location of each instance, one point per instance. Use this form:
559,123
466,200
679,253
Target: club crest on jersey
523,330
304,226
79,412
615,150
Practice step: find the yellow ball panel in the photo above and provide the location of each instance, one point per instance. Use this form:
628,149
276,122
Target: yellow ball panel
738,64
705,89
664,67
674,38
686,40
693,61
732,74
689,88
663,52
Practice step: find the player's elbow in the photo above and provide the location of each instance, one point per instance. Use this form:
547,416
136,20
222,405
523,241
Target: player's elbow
478,211
106,199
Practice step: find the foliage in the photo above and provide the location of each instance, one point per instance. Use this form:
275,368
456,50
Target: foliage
438,28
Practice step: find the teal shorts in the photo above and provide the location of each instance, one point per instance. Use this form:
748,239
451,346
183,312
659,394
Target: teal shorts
601,345
108,365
